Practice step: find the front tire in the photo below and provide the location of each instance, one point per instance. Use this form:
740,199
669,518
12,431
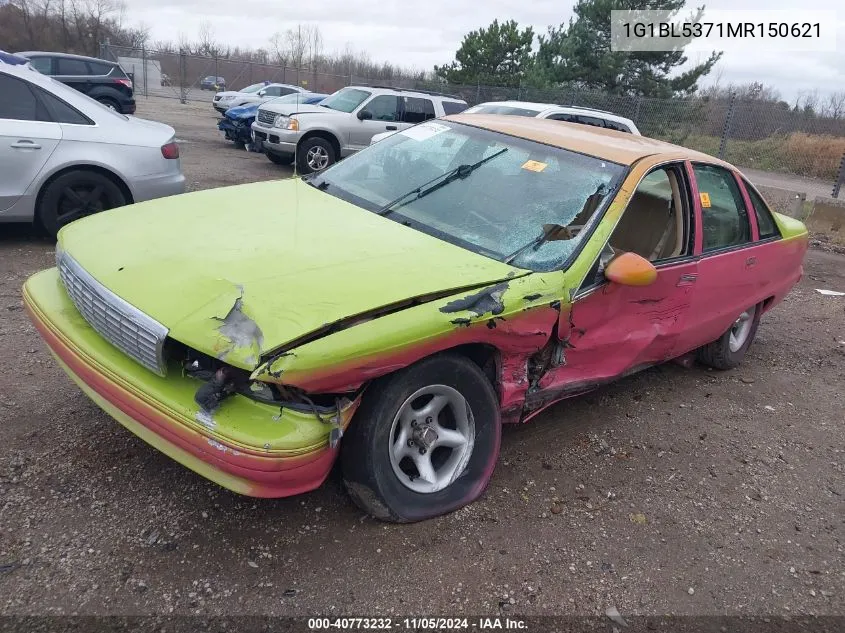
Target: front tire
314,154
729,350
424,442
74,195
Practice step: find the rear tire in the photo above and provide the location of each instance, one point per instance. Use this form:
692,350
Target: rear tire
74,195
314,154
395,469
110,103
729,350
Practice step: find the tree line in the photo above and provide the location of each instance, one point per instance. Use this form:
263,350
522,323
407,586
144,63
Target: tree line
574,56
81,26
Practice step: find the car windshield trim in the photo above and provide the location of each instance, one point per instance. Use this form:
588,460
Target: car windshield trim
521,235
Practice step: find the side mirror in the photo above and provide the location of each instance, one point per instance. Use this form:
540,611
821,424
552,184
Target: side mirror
365,115
629,269
261,93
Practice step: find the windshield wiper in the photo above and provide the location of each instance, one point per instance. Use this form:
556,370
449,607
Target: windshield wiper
461,171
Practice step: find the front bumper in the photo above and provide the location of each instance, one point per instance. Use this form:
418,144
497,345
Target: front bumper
246,446
275,139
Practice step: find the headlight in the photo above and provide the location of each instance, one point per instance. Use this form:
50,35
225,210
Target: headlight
286,123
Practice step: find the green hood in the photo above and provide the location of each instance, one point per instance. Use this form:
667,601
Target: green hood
239,271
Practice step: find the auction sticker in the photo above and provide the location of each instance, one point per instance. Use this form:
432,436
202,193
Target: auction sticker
705,199
424,131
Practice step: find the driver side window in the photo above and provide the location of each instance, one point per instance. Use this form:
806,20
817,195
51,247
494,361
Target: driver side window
384,108
655,224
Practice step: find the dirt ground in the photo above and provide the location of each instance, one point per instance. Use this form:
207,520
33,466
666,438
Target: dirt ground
674,491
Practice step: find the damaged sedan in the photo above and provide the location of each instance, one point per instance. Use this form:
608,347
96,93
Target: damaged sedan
396,309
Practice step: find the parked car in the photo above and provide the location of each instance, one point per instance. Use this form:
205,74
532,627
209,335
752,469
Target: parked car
213,83
12,59
65,155
236,123
570,114
100,79
394,310
343,123
255,93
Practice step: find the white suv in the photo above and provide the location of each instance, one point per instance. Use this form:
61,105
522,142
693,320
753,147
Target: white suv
318,135
570,114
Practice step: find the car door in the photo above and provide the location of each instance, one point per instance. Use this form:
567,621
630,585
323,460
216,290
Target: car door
73,72
384,110
726,284
613,329
774,266
27,139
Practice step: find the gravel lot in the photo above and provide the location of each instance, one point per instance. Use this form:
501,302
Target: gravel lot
674,491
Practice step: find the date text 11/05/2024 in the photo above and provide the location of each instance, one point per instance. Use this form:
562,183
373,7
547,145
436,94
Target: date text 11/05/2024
752,30
417,624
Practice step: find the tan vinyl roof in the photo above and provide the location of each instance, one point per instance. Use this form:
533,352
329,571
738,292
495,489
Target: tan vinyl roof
618,147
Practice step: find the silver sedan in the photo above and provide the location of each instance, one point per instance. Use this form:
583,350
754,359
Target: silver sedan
64,156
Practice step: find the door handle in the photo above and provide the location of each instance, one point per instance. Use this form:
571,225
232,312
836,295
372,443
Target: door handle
26,145
390,127
751,261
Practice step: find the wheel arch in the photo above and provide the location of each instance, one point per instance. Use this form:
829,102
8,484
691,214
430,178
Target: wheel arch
331,137
117,180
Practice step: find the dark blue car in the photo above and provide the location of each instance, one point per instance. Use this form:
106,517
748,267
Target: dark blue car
236,123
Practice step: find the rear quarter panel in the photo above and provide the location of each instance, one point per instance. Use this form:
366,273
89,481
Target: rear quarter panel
128,162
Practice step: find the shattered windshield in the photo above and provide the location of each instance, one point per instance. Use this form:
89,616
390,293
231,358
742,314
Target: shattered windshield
434,177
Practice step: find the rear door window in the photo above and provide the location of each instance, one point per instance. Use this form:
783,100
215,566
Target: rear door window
453,107
765,222
59,111
613,125
69,66
16,100
100,68
417,110
590,120
724,217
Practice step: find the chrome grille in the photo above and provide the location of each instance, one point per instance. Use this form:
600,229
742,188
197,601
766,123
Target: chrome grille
266,117
134,333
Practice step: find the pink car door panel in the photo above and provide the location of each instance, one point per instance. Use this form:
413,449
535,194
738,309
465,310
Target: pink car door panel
725,239
614,329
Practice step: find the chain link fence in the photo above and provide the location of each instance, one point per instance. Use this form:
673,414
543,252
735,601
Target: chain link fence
752,134
180,75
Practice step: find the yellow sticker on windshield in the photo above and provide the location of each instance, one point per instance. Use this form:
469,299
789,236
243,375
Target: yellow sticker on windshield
705,199
534,165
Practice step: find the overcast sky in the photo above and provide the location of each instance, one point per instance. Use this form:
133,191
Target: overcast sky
421,35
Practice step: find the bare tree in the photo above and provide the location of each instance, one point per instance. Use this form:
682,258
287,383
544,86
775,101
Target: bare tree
207,44
297,45
834,106
279,49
